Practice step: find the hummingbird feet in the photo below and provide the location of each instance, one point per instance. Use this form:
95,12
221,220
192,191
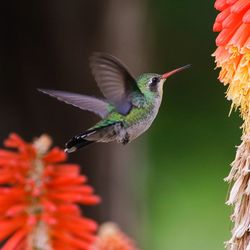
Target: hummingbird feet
125,139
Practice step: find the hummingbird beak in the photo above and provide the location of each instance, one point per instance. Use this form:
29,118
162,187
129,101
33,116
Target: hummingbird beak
168,74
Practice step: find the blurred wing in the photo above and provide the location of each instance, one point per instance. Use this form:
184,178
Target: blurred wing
95,105
114,80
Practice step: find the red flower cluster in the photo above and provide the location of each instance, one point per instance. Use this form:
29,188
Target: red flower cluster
233,52
233,22
39,196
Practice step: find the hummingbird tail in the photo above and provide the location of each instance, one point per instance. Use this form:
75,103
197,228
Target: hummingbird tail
78,141
106,133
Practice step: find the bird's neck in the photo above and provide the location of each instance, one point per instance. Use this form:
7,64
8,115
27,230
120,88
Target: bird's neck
153,98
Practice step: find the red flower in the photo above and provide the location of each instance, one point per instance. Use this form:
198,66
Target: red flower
39,196
233,52
110,237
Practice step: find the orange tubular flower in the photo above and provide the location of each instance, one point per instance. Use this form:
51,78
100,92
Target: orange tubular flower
39,196
233,52
110,237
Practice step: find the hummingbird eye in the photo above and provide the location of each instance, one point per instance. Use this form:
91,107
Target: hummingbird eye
154,80
153,83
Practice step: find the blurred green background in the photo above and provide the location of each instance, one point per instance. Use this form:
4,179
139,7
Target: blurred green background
166,189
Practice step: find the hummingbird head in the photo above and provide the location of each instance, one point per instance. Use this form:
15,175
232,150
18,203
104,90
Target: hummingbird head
153,83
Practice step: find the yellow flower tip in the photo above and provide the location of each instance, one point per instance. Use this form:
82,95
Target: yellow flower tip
234,51
107,229
42,144
111,237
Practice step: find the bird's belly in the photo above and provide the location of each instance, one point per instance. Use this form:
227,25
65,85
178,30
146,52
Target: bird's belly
138,128
135,127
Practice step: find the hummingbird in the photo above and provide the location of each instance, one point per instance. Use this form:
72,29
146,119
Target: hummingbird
128,109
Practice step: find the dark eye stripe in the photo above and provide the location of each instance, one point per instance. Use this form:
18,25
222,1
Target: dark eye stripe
154,80
153,83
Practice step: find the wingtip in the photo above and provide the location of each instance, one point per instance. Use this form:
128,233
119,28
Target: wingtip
48,92
42,90
102,55
94,55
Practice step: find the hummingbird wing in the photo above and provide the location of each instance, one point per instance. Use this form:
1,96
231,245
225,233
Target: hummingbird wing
114,80
93,104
